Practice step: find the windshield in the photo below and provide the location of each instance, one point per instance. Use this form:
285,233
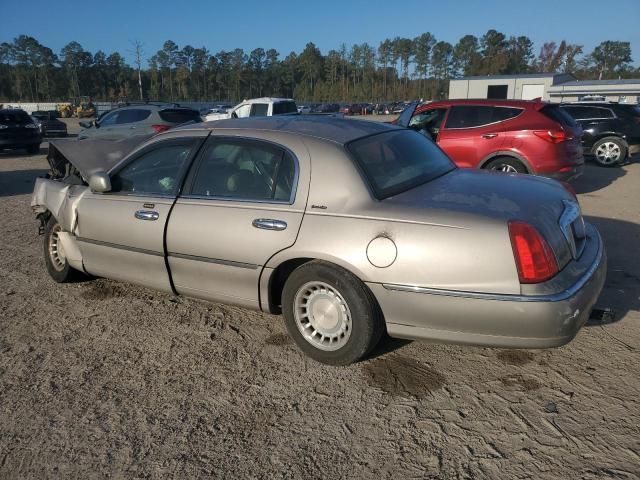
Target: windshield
399,160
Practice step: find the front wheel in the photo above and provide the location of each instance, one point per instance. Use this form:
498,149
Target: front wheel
330,314
54,256
609,151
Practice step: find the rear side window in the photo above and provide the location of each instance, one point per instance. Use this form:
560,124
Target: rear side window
468,116
18,117
240,170
281,108
396,161
505,113
557,114
132,115
179,116
259,109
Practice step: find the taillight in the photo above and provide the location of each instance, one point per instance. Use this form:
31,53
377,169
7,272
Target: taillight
534,258
160,128
551,136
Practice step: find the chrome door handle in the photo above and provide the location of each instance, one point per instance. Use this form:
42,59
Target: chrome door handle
269,224
147,215
490,135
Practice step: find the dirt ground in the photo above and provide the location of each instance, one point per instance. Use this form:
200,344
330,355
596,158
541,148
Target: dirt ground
102,379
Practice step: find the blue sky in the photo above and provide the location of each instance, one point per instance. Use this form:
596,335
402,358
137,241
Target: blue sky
287,25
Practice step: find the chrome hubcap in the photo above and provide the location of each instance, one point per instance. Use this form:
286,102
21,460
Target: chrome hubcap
608,152
504,167
322,316
56,252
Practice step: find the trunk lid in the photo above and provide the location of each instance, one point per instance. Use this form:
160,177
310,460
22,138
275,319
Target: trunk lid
541,202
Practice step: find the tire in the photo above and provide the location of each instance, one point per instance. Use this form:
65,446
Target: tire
506,165
355,320
609,151
33,149
57,265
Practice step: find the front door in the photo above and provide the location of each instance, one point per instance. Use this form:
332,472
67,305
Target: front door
121,233
242,203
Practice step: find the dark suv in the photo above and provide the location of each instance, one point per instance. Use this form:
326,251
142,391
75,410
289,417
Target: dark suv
611,130
513,136
137,120
18,130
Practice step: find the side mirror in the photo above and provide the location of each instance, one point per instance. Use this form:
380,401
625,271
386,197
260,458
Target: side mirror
85,124
95,124
100,182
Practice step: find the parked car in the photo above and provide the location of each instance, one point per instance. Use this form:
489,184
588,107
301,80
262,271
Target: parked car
49,125
356,109
258,107
348,228
513,136
611,130
326,108
18,130
137,120
304,108
219,108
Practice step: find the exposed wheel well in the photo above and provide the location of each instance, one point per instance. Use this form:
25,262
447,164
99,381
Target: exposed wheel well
279,278
511,157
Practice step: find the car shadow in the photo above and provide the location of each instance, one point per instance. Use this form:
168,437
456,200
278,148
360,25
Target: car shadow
596,177
19,182
386,345
621,292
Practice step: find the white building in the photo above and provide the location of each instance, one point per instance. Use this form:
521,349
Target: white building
554,87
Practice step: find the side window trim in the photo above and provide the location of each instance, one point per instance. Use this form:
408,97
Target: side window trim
197,146
189,181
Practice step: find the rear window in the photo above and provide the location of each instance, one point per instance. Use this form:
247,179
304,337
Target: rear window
397,161
557,114
179,116
18,117
281,108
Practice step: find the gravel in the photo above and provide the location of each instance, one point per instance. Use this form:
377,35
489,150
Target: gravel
104,379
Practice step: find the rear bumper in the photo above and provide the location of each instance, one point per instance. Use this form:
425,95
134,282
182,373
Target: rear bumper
567,175
508,321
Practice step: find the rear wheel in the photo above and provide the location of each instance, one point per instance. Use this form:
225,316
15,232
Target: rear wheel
609,151
54,256
330,314
506,165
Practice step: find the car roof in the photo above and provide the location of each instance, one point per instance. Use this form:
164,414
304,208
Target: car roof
267,100
484,101
324,127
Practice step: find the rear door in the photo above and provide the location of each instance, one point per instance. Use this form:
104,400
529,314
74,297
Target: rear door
244,202
121,233
470,134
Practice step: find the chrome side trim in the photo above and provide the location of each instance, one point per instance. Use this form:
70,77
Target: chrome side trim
556,297
229,263
119,247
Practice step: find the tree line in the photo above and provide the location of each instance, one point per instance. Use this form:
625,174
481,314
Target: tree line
397,69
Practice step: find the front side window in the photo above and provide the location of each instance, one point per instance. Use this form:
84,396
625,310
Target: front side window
242,111
244,171
155,172
109,119
396,161
259,109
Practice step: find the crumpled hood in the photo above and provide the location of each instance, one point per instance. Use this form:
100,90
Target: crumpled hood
91,154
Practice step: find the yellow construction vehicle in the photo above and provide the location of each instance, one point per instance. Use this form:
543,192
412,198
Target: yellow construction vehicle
64,110
84,108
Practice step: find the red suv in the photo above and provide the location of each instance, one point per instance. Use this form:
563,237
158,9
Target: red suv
506,135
